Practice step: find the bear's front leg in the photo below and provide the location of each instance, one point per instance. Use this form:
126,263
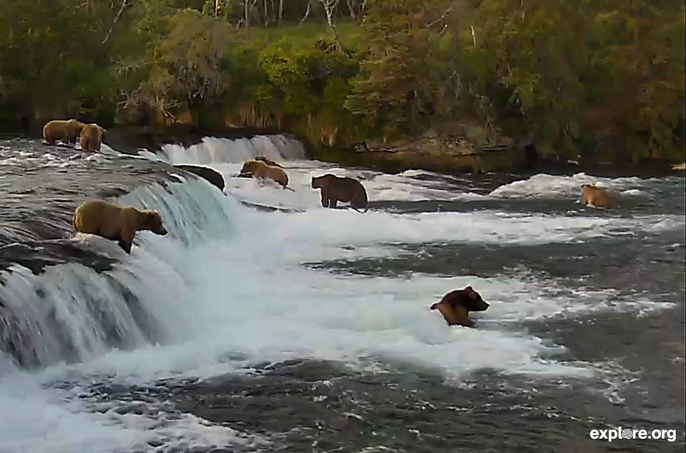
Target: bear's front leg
126,240
333,203
126,246
325,200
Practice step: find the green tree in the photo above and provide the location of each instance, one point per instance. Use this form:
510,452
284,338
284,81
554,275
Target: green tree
536,50
636,82
187,65
50,62
402,70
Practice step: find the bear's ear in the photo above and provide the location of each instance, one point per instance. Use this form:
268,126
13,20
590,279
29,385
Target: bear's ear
152,217
470,291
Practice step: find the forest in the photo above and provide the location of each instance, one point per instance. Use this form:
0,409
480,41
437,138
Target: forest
576,76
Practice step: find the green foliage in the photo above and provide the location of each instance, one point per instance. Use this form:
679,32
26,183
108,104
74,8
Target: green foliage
563,72
537,51
639,49
400,73
46,66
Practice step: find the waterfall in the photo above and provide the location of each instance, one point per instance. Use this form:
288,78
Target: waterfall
222,150
71,312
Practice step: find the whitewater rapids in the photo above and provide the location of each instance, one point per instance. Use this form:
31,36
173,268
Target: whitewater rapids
229,290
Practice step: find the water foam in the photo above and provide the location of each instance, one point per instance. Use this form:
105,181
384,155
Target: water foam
551,186
227,290
72,312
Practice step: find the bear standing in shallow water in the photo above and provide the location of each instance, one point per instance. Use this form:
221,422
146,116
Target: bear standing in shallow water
260,170
117,223
594,196
335,189
456,305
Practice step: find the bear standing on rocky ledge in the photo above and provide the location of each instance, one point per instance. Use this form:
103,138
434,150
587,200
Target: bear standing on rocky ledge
65,130
117,223
91,137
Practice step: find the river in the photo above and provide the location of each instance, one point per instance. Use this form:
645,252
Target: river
309,330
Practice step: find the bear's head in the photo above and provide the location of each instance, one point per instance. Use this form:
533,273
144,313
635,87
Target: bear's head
267,161
153,221
76,125
321,181
473,300
466,298
249,167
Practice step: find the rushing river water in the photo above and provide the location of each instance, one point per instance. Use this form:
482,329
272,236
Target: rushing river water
309,330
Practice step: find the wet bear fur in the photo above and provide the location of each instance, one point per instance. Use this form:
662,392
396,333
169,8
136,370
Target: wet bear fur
594,196
456,305
259,170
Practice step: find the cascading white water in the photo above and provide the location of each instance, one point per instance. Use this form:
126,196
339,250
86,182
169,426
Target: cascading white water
71,312
222,150
227,289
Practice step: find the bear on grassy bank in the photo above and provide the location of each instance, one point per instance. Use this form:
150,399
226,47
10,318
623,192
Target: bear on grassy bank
117,223
335,189
91,137
65,130
456,305
596,196
260,170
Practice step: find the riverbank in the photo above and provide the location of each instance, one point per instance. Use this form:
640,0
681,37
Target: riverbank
432,153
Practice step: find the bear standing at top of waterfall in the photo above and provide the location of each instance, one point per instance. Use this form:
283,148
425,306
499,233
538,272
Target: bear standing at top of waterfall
260,170
117,223
65,130
91,137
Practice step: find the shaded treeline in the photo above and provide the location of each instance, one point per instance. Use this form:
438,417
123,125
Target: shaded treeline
604,77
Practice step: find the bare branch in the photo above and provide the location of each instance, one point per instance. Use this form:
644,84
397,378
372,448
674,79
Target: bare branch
440,19
124,4
307,12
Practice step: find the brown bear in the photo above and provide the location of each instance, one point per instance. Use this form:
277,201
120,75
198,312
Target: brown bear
456,305
268,161
596,196
260,170
117,223
65,130
91,137
335,189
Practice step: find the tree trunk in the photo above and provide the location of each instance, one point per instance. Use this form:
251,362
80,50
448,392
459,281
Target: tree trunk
330,9
352,9
281,11
307,12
